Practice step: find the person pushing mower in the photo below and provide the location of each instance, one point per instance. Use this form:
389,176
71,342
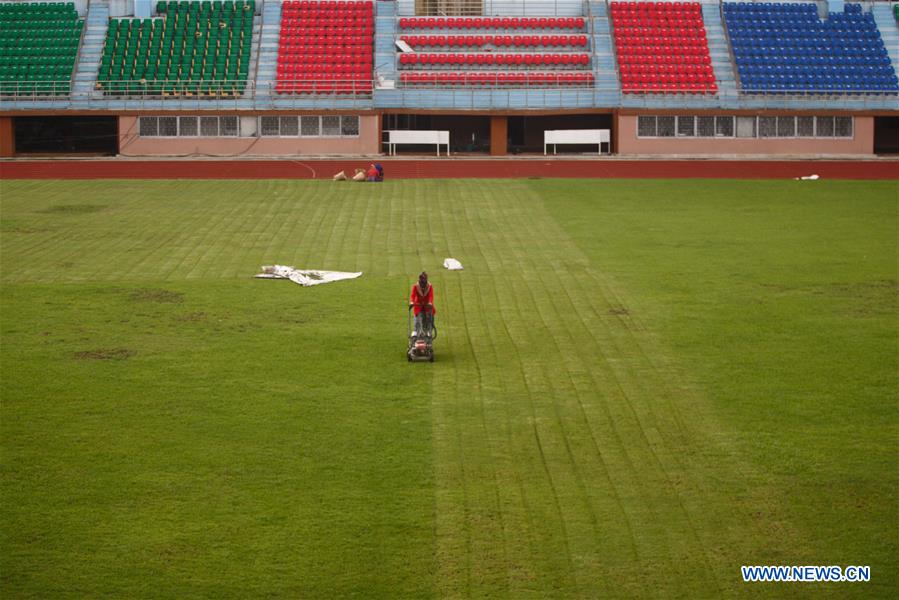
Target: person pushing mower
421,306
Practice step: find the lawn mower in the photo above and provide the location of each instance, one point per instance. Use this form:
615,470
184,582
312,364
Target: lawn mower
421,343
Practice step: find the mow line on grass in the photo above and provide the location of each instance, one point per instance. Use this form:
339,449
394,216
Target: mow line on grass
562,449
601,467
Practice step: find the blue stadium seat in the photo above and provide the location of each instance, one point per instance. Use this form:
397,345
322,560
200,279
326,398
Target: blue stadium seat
786,48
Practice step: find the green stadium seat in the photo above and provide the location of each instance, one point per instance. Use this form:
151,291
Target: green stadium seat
194,43
42,40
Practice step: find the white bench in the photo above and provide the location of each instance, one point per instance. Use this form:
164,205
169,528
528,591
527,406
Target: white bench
438,138
576,136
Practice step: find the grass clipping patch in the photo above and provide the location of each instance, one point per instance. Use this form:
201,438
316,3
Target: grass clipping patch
105,354
75,209
161,296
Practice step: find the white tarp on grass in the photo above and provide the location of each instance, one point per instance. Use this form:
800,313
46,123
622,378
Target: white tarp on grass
452,264
304,277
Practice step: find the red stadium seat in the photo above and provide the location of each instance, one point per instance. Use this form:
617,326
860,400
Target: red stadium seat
669,36
460,58
327,47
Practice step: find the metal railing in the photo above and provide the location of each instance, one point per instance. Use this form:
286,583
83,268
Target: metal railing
480,94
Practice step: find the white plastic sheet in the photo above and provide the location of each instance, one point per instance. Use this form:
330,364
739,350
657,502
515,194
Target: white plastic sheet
304,277
452,264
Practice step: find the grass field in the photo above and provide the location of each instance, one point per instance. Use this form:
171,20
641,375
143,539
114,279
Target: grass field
639,387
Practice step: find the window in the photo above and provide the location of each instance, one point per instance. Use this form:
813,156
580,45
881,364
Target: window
646,126
310,126
824,127
187,126
349,126
786,127
330,125
149,126
686,126
724,127
705,126
270,126
843,127
767,127
665,127
168,126
805,126
290,126
746,127
228,126
209,126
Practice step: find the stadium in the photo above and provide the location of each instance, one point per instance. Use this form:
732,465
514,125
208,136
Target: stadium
654,355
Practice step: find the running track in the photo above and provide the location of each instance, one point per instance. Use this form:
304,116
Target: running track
448,168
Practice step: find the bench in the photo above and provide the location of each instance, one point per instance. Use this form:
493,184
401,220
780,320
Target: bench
438,138
576,136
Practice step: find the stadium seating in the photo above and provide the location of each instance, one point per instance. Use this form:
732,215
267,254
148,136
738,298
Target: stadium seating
662,48
194,49
38,46
325,47
787,48
528,59
498,41
493,78
495,51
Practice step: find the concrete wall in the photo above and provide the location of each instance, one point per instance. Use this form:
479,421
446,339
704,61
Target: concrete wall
862,142
123,8
7,137
131,144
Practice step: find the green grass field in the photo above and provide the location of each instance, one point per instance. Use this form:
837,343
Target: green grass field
640,386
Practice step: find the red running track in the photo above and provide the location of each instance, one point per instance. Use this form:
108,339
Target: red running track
449,169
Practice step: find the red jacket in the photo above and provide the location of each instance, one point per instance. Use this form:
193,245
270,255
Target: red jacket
419,301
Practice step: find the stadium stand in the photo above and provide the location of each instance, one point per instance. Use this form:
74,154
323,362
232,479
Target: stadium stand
326,47
192,49
607,83
96,24
495,51
38,47
719,50
787,48
662,48
885,17
267,54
